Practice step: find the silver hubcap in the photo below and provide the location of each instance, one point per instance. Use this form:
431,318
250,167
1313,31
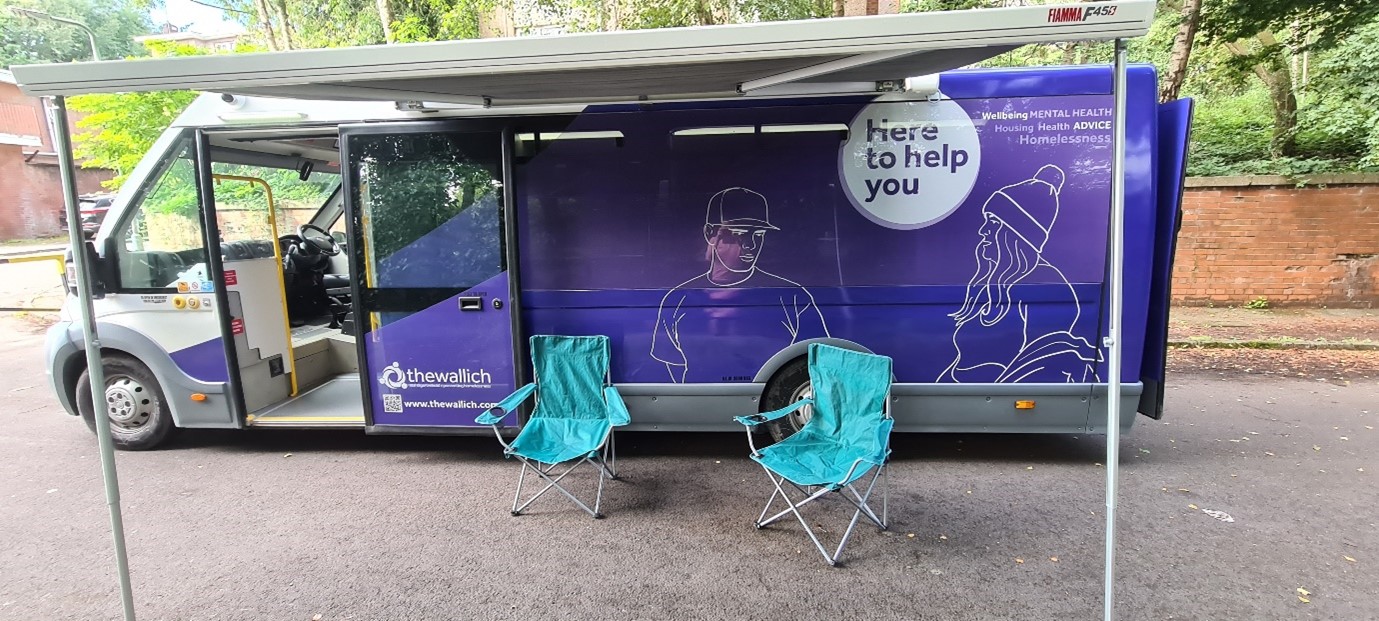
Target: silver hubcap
130,404
801,416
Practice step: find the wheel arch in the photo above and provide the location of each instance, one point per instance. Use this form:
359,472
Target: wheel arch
124,341
775,363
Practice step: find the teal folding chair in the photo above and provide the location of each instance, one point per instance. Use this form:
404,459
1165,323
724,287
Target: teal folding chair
577,408
846,437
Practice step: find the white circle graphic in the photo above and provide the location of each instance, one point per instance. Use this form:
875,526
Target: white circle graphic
909,163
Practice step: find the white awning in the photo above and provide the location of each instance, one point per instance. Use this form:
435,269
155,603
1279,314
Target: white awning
808,56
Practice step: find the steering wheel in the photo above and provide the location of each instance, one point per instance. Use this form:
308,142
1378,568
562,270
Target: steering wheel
322,242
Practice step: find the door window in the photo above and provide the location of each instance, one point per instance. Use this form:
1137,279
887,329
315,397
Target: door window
432,204
162,243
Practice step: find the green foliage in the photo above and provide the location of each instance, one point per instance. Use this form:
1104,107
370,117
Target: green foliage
335,23
121,127
286,185
175,192
1317,25
312,23
593,15
920,6
781,10
1259,303
1348,87
425,180
25,40
438,20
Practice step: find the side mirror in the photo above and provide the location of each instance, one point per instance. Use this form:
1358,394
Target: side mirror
99,273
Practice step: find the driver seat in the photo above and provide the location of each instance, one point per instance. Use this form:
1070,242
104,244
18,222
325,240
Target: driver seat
337,284
306,291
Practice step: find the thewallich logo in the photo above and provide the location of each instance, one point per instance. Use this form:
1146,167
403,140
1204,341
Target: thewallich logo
393,377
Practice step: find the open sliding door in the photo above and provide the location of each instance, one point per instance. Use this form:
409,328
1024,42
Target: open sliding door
429,213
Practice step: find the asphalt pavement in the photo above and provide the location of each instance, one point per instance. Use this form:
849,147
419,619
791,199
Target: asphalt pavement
287,525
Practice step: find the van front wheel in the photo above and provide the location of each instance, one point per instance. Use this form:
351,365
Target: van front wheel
139,416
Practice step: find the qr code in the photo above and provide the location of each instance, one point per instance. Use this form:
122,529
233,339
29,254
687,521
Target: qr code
392,403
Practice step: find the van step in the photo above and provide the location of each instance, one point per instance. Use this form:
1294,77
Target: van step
336,403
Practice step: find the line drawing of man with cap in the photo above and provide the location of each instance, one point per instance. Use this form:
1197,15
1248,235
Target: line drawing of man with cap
735,228
1015,229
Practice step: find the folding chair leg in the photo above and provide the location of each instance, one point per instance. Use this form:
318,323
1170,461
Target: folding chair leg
598,496
554,483
518,494
862,508
858,500
885,495
861,501
611,455
793,509
808,499
761,518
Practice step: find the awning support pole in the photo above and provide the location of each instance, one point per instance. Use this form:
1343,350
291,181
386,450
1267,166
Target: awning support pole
62,143
1112,342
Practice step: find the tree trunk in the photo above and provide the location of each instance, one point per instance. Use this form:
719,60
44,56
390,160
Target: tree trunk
284,24
1279,80
1069,52
266,23
1182,51
1285,140
704,12
385,17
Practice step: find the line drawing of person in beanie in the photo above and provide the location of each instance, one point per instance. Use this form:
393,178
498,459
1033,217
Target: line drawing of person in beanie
735,228
1016,227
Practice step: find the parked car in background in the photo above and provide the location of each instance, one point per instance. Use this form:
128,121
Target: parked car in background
93,208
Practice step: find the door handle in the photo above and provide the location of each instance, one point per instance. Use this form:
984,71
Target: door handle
471,303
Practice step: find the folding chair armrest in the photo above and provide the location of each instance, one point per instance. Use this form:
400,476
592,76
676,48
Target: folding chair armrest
870,462
883,438
753,420
497,413
617,408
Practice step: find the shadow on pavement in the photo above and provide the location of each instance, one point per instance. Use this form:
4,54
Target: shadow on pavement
1045,448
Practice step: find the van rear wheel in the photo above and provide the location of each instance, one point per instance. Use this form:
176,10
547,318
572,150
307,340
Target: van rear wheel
139,416
789,385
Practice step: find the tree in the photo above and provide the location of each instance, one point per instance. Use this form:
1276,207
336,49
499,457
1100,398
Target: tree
26,40
1273,69
385,17
1318,25
1348,92
120,128
1264,34
438,20
299,24
1174,74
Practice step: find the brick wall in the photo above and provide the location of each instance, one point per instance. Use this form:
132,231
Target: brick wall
1248,237
31,193
30,188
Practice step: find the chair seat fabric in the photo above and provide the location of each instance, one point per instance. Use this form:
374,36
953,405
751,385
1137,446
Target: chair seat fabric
809,458
554,440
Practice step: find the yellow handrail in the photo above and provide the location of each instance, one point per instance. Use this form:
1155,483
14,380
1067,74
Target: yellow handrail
277,254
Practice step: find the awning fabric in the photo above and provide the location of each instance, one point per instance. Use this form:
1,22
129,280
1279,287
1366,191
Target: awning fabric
834,55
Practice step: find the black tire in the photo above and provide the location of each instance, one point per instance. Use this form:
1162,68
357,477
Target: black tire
148,423
785,387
